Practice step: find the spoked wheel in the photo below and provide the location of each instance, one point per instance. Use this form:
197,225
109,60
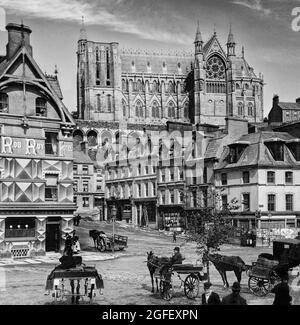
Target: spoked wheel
191,286
101,245
165,290
258,286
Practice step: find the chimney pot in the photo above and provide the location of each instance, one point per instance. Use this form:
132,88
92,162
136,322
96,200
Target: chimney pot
17,34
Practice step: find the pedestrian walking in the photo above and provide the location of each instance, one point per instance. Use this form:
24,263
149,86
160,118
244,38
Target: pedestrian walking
209,297
174,237
234,298
282,292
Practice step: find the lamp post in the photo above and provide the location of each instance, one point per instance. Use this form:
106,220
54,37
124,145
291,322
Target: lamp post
269,216
113,214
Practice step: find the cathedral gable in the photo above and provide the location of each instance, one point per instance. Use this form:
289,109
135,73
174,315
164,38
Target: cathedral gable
214,47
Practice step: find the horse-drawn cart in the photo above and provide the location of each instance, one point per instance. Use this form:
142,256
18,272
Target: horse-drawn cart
266,271
194,275
83,277
103,241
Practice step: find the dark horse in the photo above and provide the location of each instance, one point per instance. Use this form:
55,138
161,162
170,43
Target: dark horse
226,263
154,262
95,234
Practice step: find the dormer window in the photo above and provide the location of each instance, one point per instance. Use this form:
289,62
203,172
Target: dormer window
276,148
236,151
3,103
41,107
294,147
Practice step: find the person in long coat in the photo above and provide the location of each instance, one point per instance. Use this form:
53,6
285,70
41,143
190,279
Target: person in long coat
282,292
234,298
209,297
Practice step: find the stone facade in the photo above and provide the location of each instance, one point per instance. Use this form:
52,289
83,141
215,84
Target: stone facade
144,87
36,192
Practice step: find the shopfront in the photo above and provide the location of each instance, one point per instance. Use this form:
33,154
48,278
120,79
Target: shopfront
172,218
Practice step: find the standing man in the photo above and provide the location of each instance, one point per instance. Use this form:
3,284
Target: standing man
209,297
174,237
234,298
282,292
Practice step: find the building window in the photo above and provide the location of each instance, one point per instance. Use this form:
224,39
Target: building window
171,110
277,150
172,197
51,188
172,174
163,175
124,108
139,111
85,169
75,199
181,197
3,102
146,190
85,186
271,202
240,109
109,103
153,189
224,202
163,197
194,197
85,202
139,190
75,186
289,177
186,109
246,202
98,107
75,169
51,143
139,169
246,177
289,202
155,110
20,227
270,177
250,109
40,106
224,179
180,173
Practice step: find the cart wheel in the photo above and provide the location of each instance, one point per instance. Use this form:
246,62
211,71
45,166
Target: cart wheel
191,286
91,294
165,290
258,286
101,245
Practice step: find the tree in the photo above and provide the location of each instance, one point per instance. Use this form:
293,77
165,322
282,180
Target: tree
209,226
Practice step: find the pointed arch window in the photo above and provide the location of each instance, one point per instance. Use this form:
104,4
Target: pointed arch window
240,109
109,103
40,106
154,86
92,138
186,109
98,99
250,109
124,108
139,86
139,110
215,68
171,87
171,110
155,109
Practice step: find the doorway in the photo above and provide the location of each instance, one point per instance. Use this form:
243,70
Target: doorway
52,237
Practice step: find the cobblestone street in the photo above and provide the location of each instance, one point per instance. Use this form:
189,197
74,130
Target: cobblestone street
126,277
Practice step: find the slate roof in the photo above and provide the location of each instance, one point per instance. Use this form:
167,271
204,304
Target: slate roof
81,158
289,106
256,152
54,83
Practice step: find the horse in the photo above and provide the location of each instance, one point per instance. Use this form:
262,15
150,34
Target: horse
152,264
226,263
95,234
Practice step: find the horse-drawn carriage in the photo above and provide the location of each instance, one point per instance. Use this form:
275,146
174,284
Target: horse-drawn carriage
267,270
103,241
194,275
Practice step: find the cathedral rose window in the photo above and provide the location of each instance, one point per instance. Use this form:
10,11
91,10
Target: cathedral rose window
215,68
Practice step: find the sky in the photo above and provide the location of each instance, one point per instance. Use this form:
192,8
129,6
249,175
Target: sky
266,28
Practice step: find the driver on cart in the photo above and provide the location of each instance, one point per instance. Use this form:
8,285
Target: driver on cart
177,258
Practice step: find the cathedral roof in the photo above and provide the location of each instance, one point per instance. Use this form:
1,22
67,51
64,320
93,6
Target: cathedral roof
54,83
154,63
243,69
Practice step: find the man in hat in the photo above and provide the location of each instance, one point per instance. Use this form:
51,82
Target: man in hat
282,291
234,298
177,257
209,297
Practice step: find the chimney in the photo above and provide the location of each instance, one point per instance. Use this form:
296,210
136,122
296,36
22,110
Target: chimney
17,36
236,127
275,100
